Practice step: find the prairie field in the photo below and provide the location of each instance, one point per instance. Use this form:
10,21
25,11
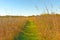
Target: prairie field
48,26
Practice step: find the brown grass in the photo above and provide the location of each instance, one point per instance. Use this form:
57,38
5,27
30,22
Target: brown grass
48,25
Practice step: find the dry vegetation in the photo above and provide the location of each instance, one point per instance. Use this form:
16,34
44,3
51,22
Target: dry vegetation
10,26
48,25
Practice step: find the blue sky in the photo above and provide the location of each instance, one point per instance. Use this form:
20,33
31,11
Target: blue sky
28,7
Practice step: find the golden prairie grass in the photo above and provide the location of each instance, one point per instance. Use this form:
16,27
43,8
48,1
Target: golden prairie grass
48,25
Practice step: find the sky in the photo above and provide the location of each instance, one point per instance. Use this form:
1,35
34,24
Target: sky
28,7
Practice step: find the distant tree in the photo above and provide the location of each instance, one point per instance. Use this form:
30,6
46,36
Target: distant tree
30,32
